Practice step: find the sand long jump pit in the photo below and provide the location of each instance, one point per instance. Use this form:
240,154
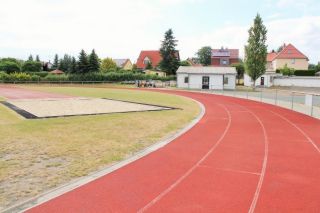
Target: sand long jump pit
63,107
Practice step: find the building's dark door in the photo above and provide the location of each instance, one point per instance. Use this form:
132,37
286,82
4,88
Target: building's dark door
205,82
262,81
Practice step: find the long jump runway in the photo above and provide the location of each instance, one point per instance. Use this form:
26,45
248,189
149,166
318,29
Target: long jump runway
242,156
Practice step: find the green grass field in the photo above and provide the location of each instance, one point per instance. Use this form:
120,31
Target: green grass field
37,155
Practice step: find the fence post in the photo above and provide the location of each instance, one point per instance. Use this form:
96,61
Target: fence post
247,93
311,106
292,97
261,95
276,98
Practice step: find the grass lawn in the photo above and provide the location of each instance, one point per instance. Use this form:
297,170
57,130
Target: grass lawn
36,155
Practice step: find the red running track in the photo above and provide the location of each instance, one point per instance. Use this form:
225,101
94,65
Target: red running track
243,156
12,92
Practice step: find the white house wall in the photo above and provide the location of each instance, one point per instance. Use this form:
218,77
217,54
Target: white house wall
297,81
180,81
267,80
231,82
215,81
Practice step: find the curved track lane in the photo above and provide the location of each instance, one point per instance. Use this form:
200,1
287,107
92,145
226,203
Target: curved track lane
242,156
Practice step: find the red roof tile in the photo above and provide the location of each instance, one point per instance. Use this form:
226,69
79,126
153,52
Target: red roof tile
153,55
291,52
288,52
57,72
271,56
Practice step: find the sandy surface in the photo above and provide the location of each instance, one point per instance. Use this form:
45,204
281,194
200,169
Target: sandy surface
79,106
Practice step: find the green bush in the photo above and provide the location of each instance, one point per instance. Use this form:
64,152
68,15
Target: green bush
117,76
9,66
305,72
53,77
41,74
3,76
12,77
98,76
31,66
287,70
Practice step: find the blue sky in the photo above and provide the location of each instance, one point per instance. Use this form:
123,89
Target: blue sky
120,29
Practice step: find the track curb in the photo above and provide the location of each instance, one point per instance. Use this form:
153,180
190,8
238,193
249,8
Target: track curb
53,193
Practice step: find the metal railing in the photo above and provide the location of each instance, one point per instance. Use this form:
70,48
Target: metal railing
303,102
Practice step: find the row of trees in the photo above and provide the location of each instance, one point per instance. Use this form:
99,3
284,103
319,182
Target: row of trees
84,64
11,65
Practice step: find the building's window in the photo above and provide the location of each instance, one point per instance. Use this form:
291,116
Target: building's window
225,80
186,80
289,51
146,61
271,79
224,62
293,61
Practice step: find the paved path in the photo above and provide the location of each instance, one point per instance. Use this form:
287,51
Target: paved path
243,156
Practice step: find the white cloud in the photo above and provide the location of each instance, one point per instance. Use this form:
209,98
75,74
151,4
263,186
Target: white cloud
122,28
302,32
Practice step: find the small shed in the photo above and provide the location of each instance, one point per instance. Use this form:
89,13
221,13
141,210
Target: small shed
57,72
206,77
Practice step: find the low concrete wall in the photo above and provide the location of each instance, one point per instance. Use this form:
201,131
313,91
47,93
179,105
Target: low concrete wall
301,81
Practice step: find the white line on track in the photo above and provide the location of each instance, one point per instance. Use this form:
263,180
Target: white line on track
264,164
185,175
300,130
265,160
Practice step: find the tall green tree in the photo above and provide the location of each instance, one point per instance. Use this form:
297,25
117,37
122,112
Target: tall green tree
240,70
256,50
37,58
55,62
108,65
31,66
94,62
170,60
9,66
204,55
83,63
65,63
73,65
30,58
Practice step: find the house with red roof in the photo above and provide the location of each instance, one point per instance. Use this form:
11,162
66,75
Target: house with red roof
150,56
224,57
290,56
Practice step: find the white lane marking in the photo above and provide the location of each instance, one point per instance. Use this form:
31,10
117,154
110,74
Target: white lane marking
184,176
264,164
300,130
230,170
240,171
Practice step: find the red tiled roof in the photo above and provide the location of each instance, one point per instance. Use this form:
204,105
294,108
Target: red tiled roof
231,53
288,52
271,56
291,52
153,55
56,72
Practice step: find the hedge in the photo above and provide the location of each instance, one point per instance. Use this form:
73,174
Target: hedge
42,74
108,77
305,72
12,77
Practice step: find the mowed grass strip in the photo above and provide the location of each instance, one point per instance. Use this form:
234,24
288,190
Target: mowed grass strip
37,155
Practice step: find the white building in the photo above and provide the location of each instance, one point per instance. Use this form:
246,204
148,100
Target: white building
266,80
206,77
